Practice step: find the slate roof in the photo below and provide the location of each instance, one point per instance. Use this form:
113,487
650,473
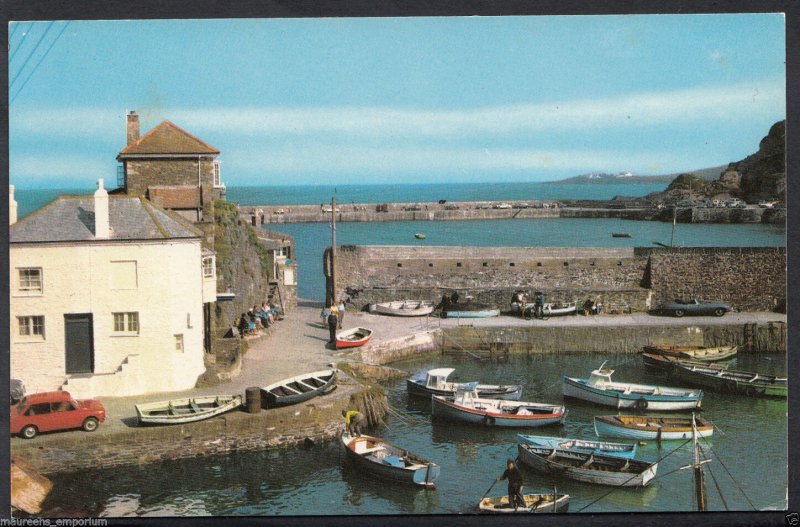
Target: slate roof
175,196
167,138
71,219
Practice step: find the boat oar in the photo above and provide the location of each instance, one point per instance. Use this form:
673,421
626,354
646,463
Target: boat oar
490,490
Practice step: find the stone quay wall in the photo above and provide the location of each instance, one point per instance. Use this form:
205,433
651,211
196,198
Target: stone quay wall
748,278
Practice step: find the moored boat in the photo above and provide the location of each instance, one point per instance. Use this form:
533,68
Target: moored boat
605,448
466,406
535,503
390,462
434,382
420,236
298,389
555,309
697,353
189,410
657,428
404,308
620,235
353,338
600,389
589,468
469,310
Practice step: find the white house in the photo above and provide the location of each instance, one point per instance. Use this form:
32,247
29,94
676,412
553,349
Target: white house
107,297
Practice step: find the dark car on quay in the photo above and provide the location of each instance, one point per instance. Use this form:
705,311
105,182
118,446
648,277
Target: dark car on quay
679,308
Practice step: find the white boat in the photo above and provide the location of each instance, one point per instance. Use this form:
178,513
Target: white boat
404,308
378,457
535,503
600,389
189,410
466,406
556,309
653,428
434,382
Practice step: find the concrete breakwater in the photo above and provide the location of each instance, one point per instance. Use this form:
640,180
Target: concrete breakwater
479,210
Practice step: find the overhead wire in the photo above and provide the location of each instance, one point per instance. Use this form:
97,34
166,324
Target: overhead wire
40,61
38,43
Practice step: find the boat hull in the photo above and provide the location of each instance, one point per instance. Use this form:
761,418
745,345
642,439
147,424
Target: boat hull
353,338
550,461
578,389
443,408
271,396
536,503
485,391
611,426
423,476
415,308
484,313
604,448
697,353
189,410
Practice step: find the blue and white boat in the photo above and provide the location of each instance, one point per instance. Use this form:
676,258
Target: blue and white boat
605,448
378,457
434,382
600,389
469,310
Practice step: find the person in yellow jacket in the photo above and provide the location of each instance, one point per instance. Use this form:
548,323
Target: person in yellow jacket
354,421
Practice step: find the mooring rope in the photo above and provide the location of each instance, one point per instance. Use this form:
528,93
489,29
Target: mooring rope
716,484
716,456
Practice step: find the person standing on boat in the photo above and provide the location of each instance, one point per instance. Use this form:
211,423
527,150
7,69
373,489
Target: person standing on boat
538,303
354,420
333,322
514,477
340,308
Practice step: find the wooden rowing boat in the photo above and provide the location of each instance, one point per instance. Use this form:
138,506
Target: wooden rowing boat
600,389
353,338
697,353
605,448
404,308
189,410
469,310
658,428
466,406
589,468
434,382
390,462
535,503
298,389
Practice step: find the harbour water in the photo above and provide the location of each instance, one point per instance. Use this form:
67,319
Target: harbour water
748,448
312,238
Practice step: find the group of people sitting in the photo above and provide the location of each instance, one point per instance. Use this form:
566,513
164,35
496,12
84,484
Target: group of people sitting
519,303
258,317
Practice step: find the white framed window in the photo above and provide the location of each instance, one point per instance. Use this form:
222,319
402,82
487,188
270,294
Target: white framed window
217,174
31,327
282,252
126,323
30,279
208,267
179,342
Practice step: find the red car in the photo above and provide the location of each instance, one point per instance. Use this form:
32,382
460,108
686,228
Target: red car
51,411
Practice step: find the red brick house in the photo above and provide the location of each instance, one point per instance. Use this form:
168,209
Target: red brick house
172,168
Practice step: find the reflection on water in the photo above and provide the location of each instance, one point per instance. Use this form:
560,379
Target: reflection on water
750,442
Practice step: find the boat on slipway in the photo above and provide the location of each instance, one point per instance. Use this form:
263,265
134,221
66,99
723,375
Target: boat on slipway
653,428
534,503
469,310
467,407
387,461
404,308
600,389
605,448
719,378
189,410
589,468
696,353
299,388
434,382
353,338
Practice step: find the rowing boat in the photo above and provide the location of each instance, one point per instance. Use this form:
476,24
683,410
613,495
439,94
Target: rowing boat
353,338
404,308
589,468
658,428
605,448
434,382
189,410
298,389
697,353
469,310
535,503
390,462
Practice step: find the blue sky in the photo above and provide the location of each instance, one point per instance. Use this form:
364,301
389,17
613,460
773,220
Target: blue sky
404,100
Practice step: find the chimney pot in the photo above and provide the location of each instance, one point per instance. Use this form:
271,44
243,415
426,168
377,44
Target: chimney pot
133,127
102,227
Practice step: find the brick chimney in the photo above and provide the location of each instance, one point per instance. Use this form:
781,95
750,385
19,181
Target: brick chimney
12,206
102,228
133,127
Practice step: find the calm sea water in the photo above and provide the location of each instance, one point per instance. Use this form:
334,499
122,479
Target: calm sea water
312,238
750,445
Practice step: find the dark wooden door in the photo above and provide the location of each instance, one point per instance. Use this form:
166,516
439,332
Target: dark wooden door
79,342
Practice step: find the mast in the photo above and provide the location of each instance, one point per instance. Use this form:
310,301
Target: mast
697,471
674,220
333,250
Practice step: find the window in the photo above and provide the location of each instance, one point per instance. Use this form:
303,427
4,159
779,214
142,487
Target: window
31,327
217,175
38,409
30,280
208,267
179,343
126,323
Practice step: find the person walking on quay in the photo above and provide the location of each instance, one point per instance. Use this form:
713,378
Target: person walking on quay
514,477
333,322
354,420
340,308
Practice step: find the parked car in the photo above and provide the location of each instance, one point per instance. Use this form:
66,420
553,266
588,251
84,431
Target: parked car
52,411
451,207
520,206
412,208
279,211
328,210
17,390
679,308
502,206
